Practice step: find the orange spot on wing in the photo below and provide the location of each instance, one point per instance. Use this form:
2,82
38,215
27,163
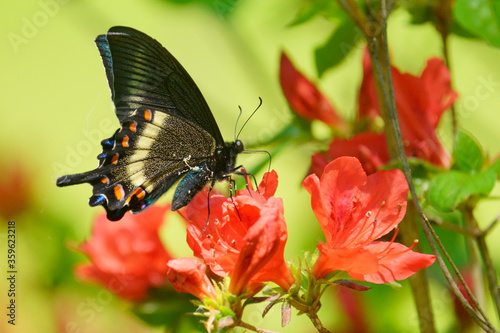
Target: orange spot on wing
105,180
119,192
114,160
139,193
133,126
148,115
125,142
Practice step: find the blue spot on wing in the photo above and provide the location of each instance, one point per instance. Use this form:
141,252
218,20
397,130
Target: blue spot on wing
97,200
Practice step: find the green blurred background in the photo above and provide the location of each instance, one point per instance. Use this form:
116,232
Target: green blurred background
56,108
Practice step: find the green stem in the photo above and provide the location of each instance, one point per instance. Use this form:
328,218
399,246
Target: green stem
454,120
444,17
419,282
253,328
488,263
317,322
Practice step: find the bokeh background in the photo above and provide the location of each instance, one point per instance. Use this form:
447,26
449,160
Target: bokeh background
56,107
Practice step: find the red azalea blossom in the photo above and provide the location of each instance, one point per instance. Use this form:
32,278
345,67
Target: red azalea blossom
15,190
420,101
353,210
351,303
188,275
306,99
127,257
463,318
369,148
249,250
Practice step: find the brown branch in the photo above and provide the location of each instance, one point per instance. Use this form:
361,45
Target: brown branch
485,255
444,18
490,227
455,228
418,282
317,322
241,323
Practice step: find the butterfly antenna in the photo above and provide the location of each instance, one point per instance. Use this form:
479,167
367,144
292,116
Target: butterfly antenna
236,125
258,106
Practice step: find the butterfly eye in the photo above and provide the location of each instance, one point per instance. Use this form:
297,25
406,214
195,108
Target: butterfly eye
239,146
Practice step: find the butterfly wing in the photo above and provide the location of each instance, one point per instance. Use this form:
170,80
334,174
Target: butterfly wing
141,72
167,130
143,159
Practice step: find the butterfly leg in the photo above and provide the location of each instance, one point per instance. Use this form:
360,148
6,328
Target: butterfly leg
208,209
244,173
232,186
208,212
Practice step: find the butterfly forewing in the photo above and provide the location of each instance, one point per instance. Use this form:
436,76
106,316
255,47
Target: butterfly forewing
141,72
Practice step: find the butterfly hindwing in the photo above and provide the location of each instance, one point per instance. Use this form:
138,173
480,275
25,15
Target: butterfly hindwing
143,159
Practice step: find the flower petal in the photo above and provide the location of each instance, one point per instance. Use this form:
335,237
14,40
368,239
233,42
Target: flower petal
188,275
260,244
276,269
395,262
369,148
420,102
356,260
383,200
269,184
319,161
130,251
306,99
333,197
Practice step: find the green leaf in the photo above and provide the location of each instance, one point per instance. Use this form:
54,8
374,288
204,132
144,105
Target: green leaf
495,167
310,10
481,17
467,153
450,189
325,8
337,47
167,308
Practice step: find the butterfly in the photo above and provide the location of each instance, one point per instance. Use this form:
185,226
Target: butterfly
167,134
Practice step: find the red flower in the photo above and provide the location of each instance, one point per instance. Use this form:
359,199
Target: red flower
127,257
420,101
369,148
353,210
250,250
351,303
463,318
188,275
15,190
306,99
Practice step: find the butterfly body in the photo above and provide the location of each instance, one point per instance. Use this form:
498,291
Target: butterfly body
167,131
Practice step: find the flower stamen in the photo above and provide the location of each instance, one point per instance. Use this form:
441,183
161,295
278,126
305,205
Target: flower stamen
388,248
362,228
390,225
374,224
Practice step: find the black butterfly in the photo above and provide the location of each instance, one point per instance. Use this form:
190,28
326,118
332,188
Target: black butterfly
167,130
